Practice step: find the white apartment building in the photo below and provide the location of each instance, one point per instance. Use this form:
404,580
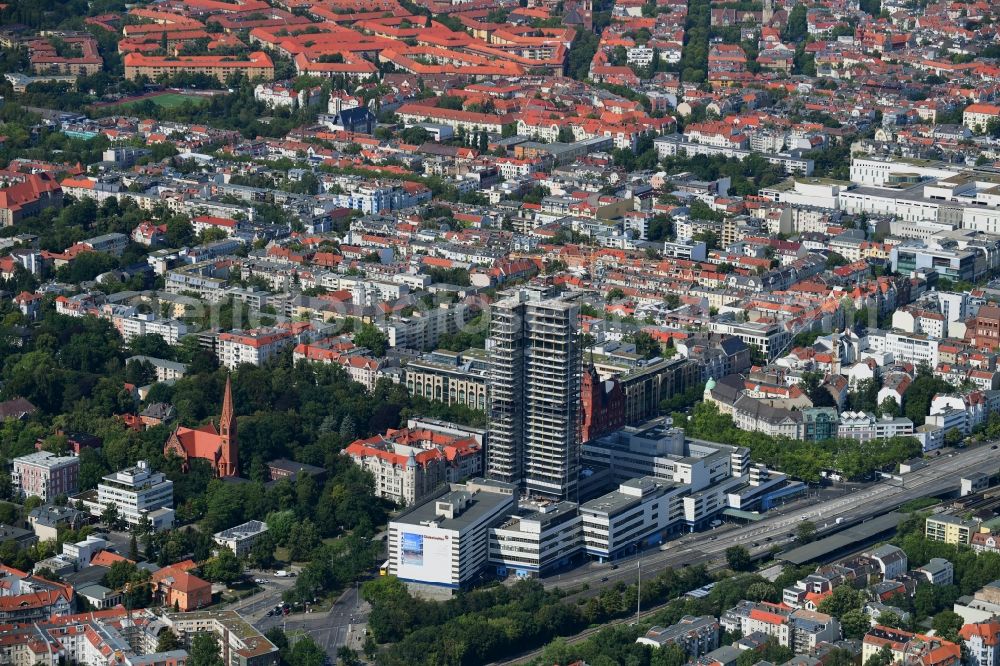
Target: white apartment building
694,635
278,96
130,323
867,427
770,339
639,55
905,347
138,493
255,347
424,328
515,168
376,198
982,642
165,370
113,243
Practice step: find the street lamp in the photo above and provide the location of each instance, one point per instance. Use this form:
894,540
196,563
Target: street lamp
638,595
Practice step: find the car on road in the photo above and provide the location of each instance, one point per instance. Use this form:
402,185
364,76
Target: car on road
754,545
614,566
995,446
261,581
604,579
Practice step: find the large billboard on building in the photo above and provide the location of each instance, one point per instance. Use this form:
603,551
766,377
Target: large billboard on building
425,555
412,549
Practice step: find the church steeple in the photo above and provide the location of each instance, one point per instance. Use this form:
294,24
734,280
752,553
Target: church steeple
227,431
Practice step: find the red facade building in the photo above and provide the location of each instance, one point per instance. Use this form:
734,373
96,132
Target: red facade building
603,405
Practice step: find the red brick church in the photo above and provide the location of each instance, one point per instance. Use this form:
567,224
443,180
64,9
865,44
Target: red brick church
218,447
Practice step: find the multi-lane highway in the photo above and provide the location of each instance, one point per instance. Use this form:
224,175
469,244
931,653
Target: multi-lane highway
939,476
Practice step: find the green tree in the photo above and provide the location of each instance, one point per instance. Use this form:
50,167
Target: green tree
738,558
864,397
890,619
833,260
306,652
843,599
812,385
119,574
763,592
797,27
347,657
180,232
645,345
947,625
205,650
855,624
917,400
109,516
871,7
223,568
372,338
167,641
805,531
889,407
303,540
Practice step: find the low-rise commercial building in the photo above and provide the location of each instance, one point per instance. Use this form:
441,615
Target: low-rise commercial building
241,539
536,538
867,427
642,510
444,542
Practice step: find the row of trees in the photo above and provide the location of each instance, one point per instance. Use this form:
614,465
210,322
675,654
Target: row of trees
489,624
799,458
694,57
616,644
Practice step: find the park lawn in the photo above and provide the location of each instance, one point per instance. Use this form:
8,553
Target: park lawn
167,101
